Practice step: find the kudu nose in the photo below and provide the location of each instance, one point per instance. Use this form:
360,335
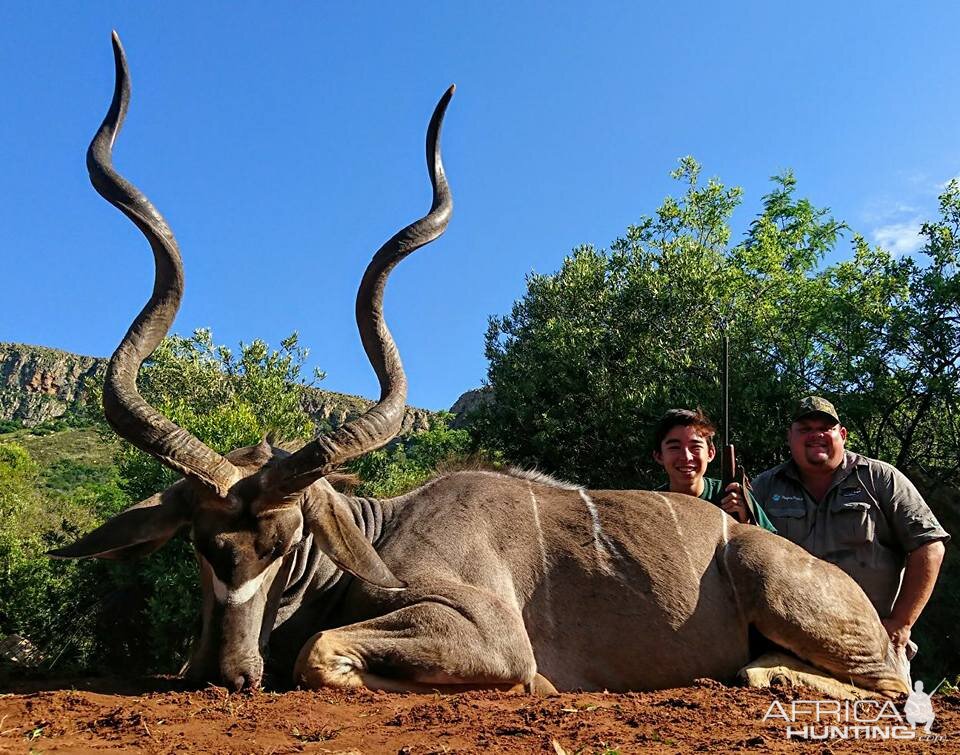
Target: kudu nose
241,673
243,681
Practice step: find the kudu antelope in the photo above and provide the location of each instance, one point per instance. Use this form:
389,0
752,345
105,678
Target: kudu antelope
477,578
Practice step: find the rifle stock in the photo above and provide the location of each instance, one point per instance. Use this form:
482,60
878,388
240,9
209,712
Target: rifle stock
734,472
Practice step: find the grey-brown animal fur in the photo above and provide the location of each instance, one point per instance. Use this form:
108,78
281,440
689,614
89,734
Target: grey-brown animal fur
478,577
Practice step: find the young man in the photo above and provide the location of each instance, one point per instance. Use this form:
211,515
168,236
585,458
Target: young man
858,513
683,445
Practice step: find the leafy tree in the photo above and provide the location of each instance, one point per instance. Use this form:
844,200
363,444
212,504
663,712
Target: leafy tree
881,335
226,401
404,465
592,355
894,343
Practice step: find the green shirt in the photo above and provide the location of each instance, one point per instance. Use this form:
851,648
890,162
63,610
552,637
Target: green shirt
713,492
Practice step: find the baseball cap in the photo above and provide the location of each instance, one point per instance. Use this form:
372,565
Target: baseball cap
814,405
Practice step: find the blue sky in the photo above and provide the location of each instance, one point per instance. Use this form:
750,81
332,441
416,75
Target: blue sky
284,143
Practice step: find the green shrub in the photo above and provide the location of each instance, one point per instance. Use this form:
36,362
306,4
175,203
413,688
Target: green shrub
406,464
39,598
9,426
68,475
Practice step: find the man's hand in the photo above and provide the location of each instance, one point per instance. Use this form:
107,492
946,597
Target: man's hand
898,630
734,504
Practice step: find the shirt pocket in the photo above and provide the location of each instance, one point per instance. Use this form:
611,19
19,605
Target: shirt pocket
851,523
790,519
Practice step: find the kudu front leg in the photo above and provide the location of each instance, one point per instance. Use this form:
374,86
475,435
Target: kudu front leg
814,610
431,645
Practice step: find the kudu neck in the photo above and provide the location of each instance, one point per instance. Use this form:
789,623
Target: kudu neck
371,515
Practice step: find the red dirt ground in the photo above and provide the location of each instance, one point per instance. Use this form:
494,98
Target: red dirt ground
160,715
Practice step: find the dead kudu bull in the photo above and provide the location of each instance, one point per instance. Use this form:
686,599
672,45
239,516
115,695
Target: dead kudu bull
476,579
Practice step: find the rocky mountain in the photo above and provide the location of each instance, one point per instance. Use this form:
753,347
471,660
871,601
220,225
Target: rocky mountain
331,409
39,384
468,402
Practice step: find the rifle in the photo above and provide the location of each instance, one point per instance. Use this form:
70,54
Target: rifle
731,469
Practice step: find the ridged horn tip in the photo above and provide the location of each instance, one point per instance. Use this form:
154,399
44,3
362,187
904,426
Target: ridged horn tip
118,51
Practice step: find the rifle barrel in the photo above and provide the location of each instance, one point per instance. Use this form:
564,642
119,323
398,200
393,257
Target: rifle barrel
725,389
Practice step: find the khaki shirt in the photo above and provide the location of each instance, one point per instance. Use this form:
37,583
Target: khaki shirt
871,517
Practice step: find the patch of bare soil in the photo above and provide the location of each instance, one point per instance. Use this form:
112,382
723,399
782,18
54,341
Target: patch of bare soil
163,716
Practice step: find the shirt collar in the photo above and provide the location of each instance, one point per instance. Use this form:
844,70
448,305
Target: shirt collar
850,462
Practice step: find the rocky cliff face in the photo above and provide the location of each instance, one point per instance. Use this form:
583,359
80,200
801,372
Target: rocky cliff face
38,384
330,410
467,403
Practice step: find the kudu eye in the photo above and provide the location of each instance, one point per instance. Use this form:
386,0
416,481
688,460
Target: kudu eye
271,551
221,552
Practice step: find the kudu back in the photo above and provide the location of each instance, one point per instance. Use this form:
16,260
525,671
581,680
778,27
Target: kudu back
478,578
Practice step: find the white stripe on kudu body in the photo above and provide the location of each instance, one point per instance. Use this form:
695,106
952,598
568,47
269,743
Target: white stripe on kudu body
725,556
600,541
547,592
680,537
536,523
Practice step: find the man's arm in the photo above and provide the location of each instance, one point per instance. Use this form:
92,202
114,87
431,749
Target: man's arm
919,577
920,535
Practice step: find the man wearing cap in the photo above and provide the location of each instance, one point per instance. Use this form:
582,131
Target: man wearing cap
858,513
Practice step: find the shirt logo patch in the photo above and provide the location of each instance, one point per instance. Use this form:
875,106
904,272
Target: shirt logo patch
850,492
778,497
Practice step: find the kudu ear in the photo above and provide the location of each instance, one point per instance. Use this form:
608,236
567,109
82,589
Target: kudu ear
337,535
135,532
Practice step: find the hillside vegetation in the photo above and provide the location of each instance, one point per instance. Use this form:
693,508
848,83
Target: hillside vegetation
40,384
62,477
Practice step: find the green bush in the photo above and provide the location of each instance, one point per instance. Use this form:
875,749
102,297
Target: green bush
9,426
407,464
68,475
39,598
227,402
